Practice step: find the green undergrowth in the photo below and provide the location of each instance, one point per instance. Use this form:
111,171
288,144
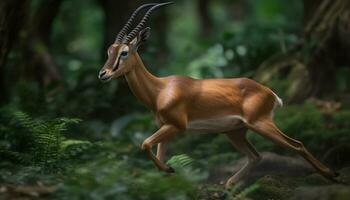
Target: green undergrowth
47,151
36,150
39,142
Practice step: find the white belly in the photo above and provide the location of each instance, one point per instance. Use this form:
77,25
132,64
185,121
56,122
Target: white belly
218,124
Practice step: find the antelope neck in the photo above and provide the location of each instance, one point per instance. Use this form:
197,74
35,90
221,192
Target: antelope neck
143,84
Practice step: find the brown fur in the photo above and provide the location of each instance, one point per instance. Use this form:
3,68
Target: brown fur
177,101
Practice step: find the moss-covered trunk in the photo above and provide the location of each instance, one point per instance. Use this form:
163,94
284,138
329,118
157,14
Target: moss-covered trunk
11,21
326,30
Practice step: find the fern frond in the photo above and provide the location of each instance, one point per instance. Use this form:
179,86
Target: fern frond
45,136
181,160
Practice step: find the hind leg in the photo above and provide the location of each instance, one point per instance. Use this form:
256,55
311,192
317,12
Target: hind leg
268,129
239,141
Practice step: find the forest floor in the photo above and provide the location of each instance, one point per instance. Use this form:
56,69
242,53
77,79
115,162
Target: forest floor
276,177
63,168
279,177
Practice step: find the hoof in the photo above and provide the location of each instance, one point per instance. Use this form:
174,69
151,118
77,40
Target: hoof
229,184
332,175
170,170
233,183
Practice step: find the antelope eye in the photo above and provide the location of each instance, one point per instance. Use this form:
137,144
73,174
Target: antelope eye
124,54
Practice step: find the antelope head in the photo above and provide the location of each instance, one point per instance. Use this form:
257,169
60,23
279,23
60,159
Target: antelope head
122,53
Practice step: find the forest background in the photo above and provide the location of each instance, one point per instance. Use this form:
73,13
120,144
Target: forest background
66,135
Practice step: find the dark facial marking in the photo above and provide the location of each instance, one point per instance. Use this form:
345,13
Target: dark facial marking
116,66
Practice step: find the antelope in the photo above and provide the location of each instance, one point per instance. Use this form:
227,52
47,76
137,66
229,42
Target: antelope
181,103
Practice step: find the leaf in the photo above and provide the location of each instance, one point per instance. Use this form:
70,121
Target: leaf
181,160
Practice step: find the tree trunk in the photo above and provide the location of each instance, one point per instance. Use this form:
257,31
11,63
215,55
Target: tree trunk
322,21
39,64
315,61
11,20
204,17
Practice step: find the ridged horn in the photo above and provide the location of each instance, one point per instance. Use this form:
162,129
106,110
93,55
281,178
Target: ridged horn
128,24
143,22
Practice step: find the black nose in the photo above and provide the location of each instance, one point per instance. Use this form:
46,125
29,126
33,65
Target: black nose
102,73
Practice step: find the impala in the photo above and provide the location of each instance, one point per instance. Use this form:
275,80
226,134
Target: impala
181,103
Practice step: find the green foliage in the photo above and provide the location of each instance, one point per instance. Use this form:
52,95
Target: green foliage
179,161
238,192
111,169
74,148
77,45
113,177
36,141
210,63
272,187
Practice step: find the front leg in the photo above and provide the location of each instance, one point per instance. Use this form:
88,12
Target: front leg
161,150
163,134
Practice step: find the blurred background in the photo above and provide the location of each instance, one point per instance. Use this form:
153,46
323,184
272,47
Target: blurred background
66,135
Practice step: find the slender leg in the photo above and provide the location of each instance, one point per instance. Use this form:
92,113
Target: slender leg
163,134
239,141
269,130
161,150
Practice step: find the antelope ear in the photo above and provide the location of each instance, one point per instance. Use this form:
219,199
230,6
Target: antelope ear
140,38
